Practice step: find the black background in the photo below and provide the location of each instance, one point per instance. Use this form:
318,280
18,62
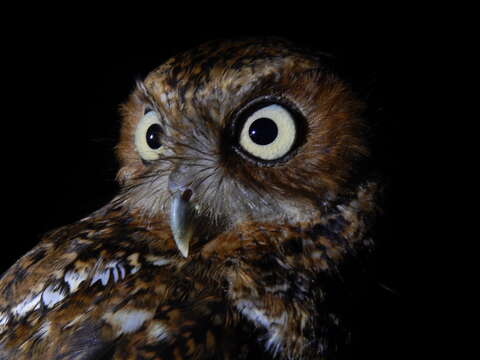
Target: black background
63,82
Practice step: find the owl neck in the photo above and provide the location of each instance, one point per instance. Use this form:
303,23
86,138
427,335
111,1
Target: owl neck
339,225
321,241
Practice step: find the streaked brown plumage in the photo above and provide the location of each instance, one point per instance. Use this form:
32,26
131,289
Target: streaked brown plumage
259,234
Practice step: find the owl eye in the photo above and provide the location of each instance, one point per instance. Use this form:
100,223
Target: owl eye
148,136
269,133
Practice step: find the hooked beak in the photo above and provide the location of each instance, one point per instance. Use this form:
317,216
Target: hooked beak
181,220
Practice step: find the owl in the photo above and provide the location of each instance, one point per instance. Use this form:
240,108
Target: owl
243,191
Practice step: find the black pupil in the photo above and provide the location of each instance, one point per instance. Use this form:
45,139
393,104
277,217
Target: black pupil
263,131
153,136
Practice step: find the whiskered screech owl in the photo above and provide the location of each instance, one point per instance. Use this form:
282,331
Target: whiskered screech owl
242,194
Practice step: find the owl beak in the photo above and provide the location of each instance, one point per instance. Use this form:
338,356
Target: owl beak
181,220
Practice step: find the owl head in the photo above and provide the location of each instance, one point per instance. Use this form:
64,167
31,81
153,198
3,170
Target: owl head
236,131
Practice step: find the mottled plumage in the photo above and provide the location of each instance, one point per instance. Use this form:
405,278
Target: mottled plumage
215,247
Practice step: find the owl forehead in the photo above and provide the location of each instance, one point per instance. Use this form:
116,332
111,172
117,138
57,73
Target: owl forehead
215,78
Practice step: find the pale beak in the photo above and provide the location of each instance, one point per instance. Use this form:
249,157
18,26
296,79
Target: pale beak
181,220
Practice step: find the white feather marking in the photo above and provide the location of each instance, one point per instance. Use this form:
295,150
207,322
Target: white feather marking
134,270
112,270
74,321
74,279
252,313
122,271
44,329
115,274
112,266
277,288
158,261
274,343
52,295
103,276
4,318
157,331
127,321
133,262
27,305
274,325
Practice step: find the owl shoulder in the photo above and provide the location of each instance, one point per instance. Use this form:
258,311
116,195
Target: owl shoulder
97,252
